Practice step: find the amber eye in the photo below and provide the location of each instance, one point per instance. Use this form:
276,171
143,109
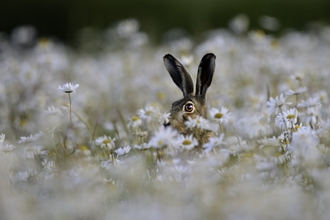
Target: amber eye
189,107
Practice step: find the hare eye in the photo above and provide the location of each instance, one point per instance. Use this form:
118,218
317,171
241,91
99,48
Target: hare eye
189,107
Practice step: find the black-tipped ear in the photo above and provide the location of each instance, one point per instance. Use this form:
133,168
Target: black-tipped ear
179,75
205,74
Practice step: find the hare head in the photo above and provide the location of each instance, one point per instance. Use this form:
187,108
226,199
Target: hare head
191,105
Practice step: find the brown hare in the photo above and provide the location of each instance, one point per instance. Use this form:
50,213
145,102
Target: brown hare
191,105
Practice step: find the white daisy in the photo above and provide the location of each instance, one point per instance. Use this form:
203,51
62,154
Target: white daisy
68,88
311,116
7,148
165,136
148,113
198,122
106,141
187,142
213,143
221,116
296,92
142,146
280,122
134,122
51,110
275,104
31,138
121,151
287,119
311,102
39,150
83,151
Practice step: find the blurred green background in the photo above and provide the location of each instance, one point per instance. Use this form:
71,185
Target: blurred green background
63,18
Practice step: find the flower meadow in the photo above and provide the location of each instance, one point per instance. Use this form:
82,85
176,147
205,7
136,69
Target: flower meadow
82,135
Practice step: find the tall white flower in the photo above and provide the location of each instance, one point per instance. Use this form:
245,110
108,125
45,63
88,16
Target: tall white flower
68,88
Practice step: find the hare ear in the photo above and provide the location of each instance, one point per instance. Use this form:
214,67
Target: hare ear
205,74
179,75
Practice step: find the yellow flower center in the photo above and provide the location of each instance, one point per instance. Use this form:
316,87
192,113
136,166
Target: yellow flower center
148,112
135,118
106,141
186,142
290,116
83,147
218,115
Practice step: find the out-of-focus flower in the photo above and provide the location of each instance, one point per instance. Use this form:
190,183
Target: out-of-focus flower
121,151
83,151
68,88
304,147
22,176
310,116
221,116
7,148
31,138
148,113
213,143
264,164
49,166
269,23
239,23
51,110
274,105
143,146
187,60
298,76
253,126
236,145
106,141
2,138
127,27
30,152
296,92
164,136
134,122
311,102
